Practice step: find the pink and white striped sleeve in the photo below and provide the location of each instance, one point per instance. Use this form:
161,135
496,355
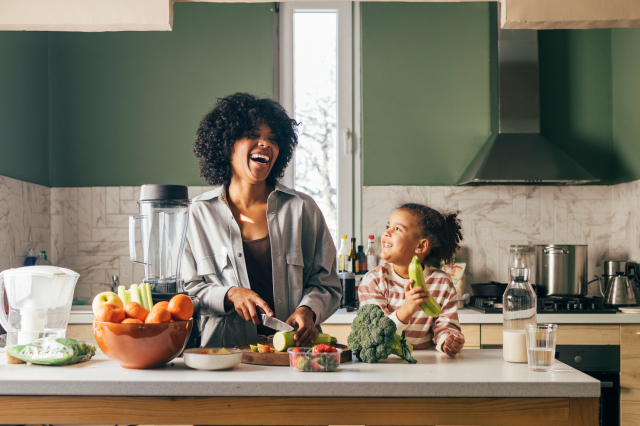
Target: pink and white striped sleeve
372,290
447,322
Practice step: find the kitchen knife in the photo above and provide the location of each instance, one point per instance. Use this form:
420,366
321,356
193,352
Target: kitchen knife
275,323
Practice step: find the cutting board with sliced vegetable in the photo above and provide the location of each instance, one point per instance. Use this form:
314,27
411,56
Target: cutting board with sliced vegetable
279,358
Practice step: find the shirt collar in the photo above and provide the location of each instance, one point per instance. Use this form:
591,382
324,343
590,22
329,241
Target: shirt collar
220,192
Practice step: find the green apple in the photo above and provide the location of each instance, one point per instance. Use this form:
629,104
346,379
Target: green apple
106,297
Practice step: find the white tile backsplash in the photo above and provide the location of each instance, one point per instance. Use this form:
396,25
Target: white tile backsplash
85,229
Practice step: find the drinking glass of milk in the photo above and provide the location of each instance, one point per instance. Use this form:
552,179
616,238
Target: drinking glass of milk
518,310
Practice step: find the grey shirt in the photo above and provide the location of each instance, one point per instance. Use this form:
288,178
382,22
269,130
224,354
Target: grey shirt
302,251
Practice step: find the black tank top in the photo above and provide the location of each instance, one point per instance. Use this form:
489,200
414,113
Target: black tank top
257,255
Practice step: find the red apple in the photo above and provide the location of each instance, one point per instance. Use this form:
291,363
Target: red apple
105,297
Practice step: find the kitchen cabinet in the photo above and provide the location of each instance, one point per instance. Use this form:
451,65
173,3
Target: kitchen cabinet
630,375
568,334
81,332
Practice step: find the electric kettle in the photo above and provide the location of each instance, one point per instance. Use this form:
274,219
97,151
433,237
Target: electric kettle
623,289
39,301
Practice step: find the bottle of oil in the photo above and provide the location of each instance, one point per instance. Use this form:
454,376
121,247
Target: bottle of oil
353,258
343,255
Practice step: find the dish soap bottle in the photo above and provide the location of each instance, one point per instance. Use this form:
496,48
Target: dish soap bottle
31,258
42,258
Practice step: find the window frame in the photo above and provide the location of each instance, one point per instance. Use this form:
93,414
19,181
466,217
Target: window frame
349,190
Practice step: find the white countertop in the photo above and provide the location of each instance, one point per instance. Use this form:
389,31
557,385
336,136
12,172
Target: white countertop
473,373
469,316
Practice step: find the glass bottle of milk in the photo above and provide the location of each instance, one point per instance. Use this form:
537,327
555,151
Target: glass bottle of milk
518,309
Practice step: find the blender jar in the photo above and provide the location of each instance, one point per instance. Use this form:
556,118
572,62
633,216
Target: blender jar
164,214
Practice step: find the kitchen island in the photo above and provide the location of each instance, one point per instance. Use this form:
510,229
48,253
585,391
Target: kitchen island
475,388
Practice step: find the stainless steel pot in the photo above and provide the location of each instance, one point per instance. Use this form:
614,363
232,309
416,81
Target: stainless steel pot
561,270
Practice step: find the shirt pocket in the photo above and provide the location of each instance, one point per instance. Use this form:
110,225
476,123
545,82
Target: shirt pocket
295,269
217,269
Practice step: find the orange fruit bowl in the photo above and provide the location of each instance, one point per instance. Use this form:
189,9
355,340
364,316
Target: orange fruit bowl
142,345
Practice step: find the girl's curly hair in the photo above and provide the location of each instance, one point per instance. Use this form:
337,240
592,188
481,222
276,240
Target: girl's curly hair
227,121
443,231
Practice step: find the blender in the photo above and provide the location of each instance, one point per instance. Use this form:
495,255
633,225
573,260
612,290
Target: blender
164,213
38,300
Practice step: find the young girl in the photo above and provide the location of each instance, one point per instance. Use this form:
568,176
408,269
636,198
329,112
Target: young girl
417,230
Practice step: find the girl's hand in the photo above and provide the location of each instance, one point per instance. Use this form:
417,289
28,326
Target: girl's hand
414,296
452,345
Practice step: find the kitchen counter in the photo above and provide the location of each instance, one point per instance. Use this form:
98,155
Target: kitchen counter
473,373
469,316
475,388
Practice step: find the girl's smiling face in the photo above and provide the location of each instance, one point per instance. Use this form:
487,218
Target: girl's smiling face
401,241
254,154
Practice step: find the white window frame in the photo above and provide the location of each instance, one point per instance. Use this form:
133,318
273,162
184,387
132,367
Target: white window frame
349,191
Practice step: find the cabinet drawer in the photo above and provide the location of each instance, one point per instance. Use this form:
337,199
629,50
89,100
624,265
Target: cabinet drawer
339,331
568,334
630,375
471,335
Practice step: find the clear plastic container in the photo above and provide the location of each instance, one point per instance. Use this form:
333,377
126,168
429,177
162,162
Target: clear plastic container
309,361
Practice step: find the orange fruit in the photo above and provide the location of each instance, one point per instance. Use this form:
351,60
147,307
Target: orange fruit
181,307
110,312
158,315
131,321
163,304
136,311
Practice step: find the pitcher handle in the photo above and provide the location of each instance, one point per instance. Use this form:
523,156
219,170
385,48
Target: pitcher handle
4,320
132,237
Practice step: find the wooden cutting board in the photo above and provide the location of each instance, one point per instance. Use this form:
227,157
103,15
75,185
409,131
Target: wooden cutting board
280,358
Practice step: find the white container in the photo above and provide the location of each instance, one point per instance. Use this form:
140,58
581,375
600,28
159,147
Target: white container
194,358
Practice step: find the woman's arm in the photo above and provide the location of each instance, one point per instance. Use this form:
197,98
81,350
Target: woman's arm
210,291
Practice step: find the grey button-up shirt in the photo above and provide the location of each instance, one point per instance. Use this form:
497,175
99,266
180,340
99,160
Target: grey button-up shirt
302,252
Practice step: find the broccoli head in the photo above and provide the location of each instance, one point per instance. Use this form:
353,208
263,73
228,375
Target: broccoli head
373,337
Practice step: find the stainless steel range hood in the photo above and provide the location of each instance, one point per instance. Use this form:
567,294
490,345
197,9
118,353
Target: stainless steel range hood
519,154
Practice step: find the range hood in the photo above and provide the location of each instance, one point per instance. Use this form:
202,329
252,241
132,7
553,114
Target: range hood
519,154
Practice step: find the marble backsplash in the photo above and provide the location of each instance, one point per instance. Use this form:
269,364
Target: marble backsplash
86,229
494,217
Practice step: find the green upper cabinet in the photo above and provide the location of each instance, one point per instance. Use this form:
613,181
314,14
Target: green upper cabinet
24,148
125,106
426,92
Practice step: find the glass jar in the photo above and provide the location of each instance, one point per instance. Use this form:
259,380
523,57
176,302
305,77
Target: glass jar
519,307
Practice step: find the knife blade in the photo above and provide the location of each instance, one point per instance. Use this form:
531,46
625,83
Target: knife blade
275,323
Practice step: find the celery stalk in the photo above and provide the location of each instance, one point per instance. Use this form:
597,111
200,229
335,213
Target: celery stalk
121,290
135,294
127,297
147,289
143,297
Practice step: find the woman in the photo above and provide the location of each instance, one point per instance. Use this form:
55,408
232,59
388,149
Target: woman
254,245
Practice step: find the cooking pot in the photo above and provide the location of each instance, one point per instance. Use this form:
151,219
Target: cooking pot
490,289
561,270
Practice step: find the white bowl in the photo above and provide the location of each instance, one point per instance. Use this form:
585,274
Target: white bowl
195,359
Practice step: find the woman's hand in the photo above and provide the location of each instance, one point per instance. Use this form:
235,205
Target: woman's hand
246,303
452,345
307,331
414,296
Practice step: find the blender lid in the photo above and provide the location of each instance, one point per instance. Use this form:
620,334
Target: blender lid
40,270
153,192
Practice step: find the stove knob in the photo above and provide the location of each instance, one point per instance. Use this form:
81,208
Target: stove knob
578,359
583,306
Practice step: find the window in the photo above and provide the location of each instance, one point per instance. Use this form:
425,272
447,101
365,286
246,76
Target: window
316,79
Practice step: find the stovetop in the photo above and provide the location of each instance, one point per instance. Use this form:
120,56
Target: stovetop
546,305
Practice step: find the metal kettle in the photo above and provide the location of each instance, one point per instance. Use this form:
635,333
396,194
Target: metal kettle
623,289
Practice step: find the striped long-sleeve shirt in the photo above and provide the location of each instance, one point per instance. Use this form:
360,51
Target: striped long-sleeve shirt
385,288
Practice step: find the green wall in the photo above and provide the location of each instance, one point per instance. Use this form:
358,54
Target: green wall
125,106
24,150
576,96
626,103
426,104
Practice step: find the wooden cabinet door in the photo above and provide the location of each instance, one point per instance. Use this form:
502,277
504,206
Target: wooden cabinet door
82,332
630,375
568,334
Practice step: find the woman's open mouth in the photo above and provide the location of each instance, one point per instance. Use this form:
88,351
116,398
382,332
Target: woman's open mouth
260,158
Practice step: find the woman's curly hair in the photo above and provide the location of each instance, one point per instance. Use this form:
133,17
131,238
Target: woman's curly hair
227,121
443,231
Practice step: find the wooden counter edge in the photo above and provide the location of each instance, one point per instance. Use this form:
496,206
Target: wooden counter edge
298,411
